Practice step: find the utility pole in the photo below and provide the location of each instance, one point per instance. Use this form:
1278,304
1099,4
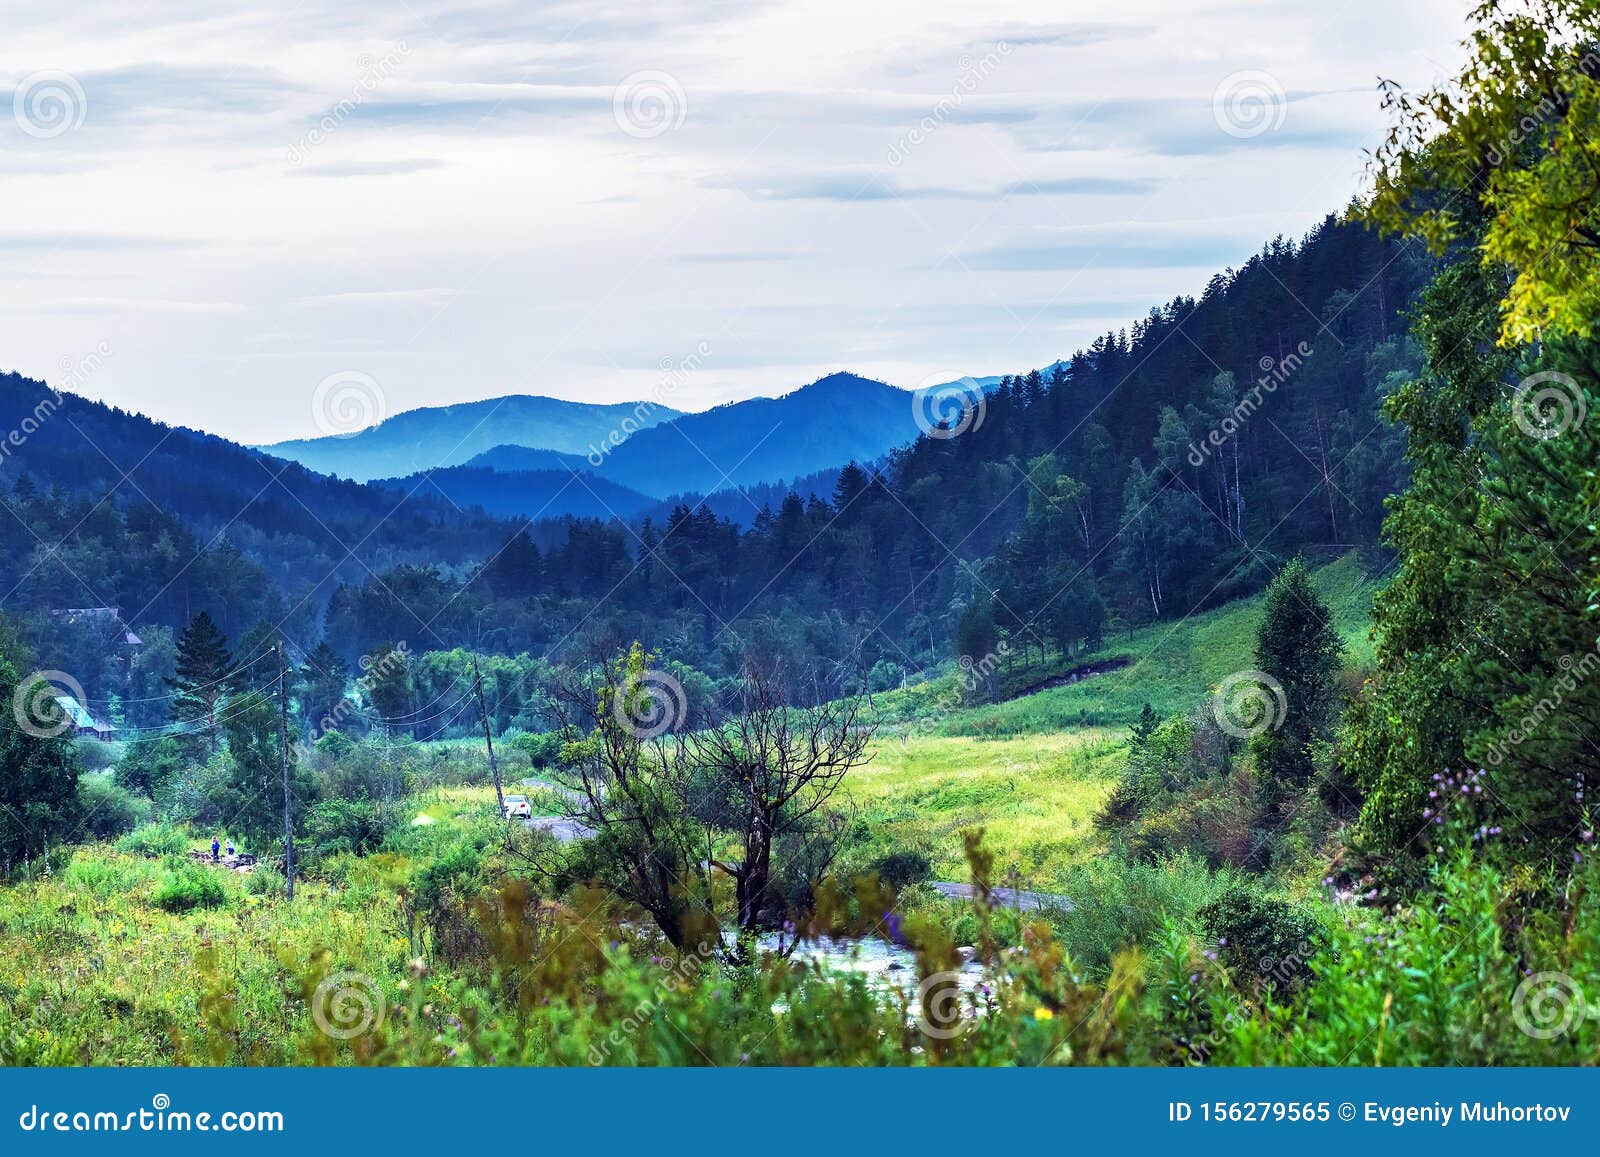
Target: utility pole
488,740
288,826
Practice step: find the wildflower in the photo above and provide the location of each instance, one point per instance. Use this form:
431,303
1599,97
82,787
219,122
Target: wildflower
1042,1013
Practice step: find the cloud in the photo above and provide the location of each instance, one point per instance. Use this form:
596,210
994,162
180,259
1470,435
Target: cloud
1082,186
158,91
393,168
1184,128
431,296
136,305
873,185
736,256
66,241
1113,253
488,154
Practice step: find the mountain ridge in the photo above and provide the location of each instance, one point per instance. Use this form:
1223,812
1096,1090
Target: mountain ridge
432,436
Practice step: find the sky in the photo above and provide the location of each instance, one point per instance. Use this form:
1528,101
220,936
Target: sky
223,219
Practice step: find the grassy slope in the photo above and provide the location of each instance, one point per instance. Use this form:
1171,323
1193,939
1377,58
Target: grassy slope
1176,665
1035,797
1034,770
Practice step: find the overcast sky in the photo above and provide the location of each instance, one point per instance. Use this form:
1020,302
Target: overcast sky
699,202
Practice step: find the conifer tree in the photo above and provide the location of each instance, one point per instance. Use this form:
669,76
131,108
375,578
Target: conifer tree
1297,646
323,678
204,676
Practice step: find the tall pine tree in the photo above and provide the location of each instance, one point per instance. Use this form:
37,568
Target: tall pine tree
203,678
1297,646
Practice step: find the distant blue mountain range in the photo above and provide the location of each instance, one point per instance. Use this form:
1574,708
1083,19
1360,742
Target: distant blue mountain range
451,435
553,458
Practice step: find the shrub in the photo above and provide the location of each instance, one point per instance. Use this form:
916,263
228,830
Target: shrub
1268,942
149,763
1116,903
902,868
102,874
191,886
541,749
155,841
337,825
357,771
1183,793
95,754
263,881
885,676
109,810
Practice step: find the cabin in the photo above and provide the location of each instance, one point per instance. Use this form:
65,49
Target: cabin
82,723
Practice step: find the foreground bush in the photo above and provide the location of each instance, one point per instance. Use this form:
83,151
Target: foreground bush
439,956
1266,942
155,841
109,810
191,886
1116,905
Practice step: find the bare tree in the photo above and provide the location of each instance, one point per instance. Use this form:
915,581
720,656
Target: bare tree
749,796
779,767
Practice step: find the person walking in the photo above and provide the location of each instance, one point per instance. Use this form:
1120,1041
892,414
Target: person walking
216,849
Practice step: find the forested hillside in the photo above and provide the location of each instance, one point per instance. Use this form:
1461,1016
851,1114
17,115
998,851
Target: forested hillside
109,509
1166,468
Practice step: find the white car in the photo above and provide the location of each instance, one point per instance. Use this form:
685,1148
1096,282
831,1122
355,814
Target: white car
516,807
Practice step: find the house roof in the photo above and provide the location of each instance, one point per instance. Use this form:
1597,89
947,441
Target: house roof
75,711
